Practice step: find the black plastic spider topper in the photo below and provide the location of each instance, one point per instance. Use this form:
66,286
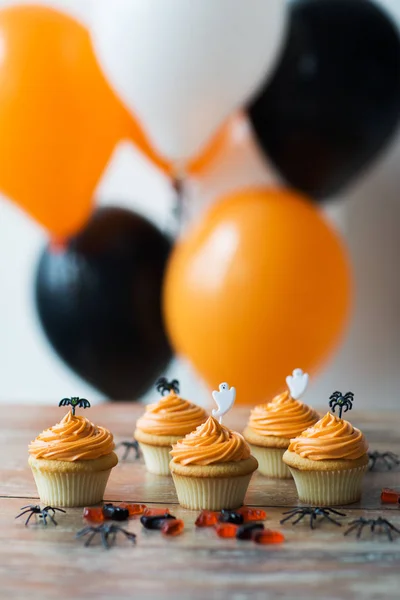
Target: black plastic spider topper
45,513
344,402
75,401
165,387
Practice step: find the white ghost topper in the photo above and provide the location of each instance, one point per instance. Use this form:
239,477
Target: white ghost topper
297,383
224,400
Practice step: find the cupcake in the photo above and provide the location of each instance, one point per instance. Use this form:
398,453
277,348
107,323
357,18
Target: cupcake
328,462
212,467
163,424
71,462
272,425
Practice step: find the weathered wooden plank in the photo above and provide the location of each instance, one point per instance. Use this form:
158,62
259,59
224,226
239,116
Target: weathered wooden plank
39,562
36,562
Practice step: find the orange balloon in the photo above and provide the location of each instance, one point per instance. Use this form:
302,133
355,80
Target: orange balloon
59,120
198,164
259,287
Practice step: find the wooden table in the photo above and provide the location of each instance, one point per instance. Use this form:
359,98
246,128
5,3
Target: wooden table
38,562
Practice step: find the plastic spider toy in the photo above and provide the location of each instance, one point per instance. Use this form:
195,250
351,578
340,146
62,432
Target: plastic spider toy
388,460
44,513
313,512
74,401
164,386
105,531
383,525
129,445
344,402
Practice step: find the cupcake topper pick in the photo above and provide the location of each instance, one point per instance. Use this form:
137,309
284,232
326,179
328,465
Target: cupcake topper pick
224,400
74,401
297,383
164,386
344,402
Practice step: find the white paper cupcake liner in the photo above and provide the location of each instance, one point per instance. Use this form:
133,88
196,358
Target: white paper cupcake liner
156,458
329,488
71,488
270,462
202,493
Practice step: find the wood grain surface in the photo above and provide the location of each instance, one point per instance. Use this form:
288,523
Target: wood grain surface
38,562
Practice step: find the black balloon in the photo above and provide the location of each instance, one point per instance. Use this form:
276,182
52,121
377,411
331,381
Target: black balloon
334,100
99,302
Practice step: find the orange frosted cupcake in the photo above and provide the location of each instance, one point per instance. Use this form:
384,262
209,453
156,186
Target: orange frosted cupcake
71,462
212,467
163,424
270,428
328,462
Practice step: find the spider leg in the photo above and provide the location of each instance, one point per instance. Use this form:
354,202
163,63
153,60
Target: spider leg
24,512
290,515
313,518
129,535
299,518
29,518
87,543
104,539
360,529
43,515
59,509
352,526
387,530
52,519
292,511
29,506
389,524
337,512
326,516
84,531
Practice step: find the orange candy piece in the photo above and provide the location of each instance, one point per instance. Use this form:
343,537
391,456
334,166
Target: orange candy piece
93,514
226,530
173,527
252,514
153,512
268,536
389,496
207,518
133,509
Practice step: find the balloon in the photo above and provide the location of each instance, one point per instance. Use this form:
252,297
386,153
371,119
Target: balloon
182,67
59,120
259,287
334,100
99,302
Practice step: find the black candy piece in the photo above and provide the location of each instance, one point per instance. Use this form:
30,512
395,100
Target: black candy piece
155,521
116,513
230,516
245,532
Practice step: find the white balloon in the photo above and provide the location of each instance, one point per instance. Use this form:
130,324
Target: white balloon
182,66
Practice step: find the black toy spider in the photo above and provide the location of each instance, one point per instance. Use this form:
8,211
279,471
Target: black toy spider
344,403
314,512
164,386
387,459
129,445
384,526
44,513
74,401
105,530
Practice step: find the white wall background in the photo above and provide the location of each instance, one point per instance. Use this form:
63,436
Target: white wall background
368,215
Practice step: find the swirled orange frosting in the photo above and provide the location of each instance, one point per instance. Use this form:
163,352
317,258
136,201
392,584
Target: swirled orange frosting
282,417
73,438
172,415
211,443
330,438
